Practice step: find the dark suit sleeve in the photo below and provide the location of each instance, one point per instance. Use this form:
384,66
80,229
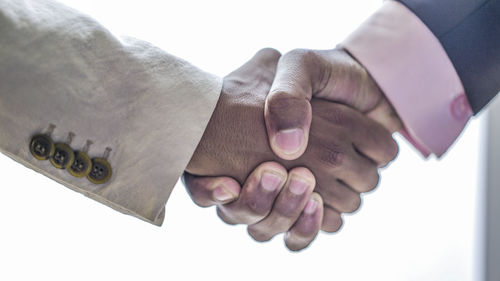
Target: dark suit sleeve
469,31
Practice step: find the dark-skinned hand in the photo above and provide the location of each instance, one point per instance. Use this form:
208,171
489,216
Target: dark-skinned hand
344,151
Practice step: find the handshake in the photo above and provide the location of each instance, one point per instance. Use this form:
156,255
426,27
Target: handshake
292,143
293,140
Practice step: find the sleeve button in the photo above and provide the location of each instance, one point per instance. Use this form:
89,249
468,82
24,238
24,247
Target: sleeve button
63,156
81,166
460,108
42,147
100,172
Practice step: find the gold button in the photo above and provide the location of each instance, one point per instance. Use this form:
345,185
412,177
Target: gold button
100,172
42,147
81,166
63,156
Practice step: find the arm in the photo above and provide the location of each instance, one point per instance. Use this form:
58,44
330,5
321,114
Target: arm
438,62
433,116
150,108
469,33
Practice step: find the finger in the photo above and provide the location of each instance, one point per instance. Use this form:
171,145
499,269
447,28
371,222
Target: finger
373,141
369,137
287,109
359,173
257,195
333,135
208,191
265,60
332,220
347,81
385,115
288,206
307,226
339,196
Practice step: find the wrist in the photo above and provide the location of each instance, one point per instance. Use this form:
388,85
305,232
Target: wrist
382,112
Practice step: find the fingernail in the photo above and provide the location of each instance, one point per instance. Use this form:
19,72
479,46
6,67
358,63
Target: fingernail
289,141
311,207
222,195
270,181
298,187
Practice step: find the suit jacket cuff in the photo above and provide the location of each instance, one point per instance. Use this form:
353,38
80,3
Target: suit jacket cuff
60,67
416,75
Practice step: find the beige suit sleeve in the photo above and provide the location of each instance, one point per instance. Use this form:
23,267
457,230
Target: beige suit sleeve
60,67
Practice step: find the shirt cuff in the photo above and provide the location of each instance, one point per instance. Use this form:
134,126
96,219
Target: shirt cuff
413,70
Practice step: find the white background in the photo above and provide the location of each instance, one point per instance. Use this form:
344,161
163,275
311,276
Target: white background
421,223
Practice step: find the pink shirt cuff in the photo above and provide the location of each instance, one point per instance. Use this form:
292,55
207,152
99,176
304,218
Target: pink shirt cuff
413,70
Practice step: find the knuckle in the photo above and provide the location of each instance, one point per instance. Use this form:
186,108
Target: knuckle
303,55
198,193
371,182
333,158
393,151
274,167
304,174
294,247
335,225
258,234
200,187
257,208
306,229
284,99
287,211
338,225
189,183
269,53
297,244
224,217
389,148
279,96
353,204
332,222
202,202
287,111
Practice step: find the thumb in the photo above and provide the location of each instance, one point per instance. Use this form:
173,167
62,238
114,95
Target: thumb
332,75
209,191
287,109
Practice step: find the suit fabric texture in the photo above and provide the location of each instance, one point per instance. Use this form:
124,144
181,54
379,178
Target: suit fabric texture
469,31
59,67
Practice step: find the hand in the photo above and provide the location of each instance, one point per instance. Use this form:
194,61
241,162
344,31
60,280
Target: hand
344,152
331,75
267,203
